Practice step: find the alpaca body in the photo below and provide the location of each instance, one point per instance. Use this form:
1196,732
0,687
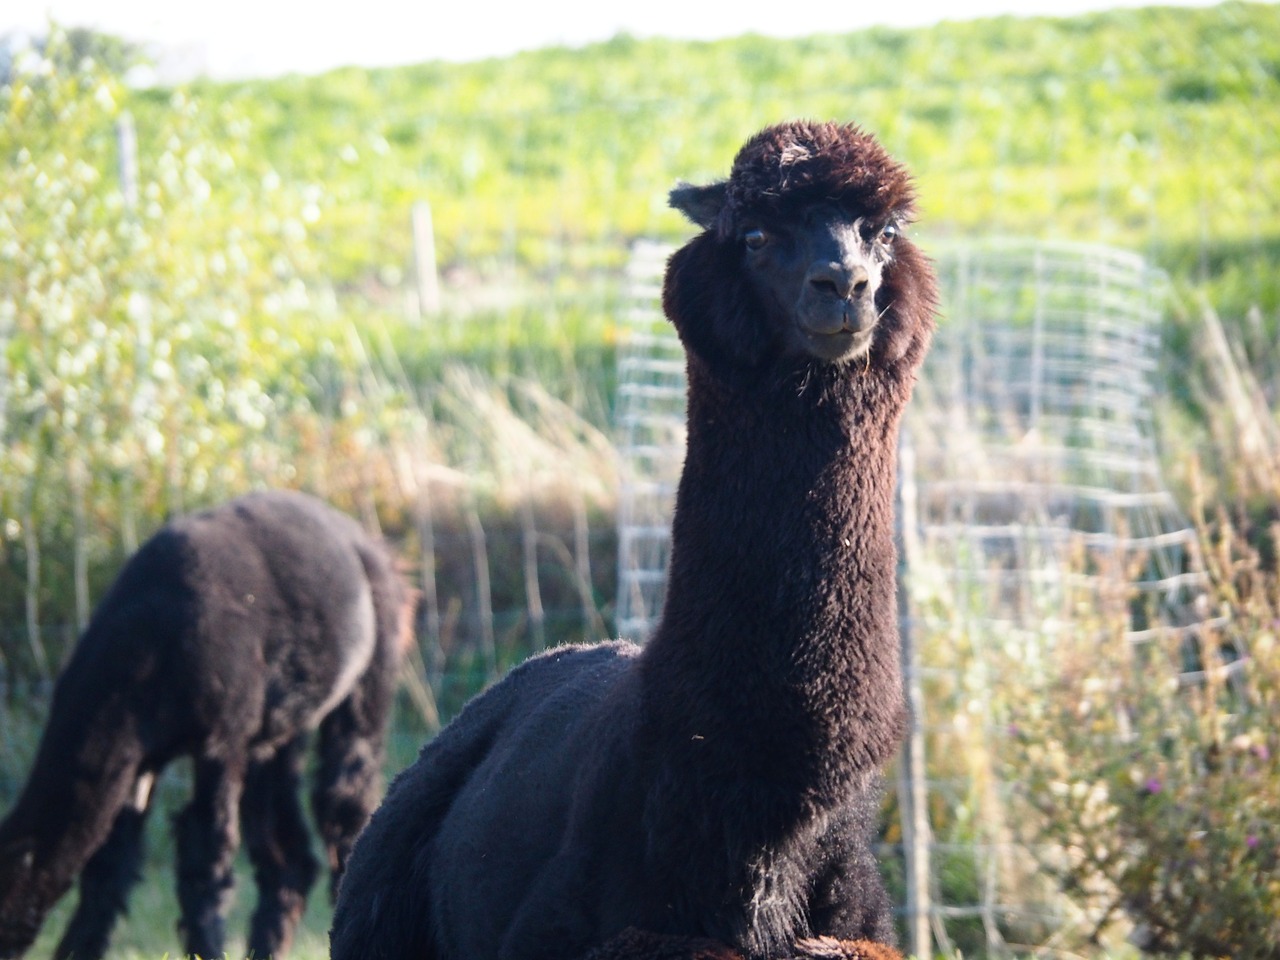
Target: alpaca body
228,637
617,771
722,782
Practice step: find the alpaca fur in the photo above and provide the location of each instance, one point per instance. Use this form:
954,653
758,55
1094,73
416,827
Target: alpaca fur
229,636
721,783
633,944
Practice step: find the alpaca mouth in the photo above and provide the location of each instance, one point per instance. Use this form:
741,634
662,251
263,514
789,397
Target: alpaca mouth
833,346
836,331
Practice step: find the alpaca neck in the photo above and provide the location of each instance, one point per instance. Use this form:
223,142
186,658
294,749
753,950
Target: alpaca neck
779,631
85,771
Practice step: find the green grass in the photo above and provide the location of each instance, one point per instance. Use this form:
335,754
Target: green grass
1155,128
149,929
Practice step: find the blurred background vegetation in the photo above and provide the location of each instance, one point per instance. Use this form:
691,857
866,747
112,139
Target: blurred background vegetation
247,316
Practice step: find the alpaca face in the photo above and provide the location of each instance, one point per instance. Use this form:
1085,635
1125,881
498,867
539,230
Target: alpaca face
817,275
801,259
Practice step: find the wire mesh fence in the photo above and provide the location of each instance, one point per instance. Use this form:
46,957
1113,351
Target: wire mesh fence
1029,484
1030,460
650,436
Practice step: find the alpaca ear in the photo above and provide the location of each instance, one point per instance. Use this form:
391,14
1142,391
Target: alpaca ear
702,205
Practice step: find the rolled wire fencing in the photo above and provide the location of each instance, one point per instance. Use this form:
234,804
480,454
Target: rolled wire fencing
1029,444
650,438
1030,491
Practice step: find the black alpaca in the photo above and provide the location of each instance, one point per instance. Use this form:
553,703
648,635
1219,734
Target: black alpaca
229,636
722,782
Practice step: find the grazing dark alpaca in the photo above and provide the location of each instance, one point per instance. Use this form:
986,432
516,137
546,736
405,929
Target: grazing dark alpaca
229,636
721,783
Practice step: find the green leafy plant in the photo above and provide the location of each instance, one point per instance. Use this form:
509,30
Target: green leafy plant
1149,775
157,351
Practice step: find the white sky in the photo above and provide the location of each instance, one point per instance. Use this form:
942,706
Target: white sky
237,38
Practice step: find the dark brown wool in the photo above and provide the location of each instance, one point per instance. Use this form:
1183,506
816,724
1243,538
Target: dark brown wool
633,944
722,783
227,637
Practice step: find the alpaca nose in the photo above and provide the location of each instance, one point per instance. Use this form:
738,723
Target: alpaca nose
840,280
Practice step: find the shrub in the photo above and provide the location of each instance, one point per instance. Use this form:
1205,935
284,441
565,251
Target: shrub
1153,791
156,353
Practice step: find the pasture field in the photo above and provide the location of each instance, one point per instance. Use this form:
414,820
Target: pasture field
246,320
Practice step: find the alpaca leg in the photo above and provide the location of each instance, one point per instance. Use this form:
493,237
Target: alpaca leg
207,834
107,879
349,775
275,832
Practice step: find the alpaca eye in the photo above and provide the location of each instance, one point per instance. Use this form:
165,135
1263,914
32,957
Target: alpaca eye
755,238
889,233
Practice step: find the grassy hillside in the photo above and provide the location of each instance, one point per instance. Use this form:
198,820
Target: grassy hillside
251,302
1157,129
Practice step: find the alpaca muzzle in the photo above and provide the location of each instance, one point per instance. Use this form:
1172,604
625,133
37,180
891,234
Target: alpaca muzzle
836,310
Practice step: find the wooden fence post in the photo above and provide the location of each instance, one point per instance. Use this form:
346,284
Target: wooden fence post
127,147
424,260
913,809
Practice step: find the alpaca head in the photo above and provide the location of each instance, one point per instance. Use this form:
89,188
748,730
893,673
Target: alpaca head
22,901
803,257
